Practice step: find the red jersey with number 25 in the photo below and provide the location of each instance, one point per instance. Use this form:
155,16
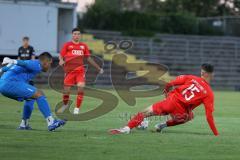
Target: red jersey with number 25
73,55
192,91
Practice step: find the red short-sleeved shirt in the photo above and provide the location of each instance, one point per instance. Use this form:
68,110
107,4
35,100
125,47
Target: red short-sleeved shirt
74,55
194,91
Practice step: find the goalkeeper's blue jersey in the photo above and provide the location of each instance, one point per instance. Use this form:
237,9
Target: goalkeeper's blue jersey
24,71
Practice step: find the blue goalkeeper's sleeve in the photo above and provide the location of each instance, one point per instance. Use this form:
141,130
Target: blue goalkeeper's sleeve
33,65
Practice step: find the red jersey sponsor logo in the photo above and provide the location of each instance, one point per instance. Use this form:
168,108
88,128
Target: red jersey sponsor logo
78,52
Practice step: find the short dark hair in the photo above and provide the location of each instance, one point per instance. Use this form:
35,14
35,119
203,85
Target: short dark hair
45,55
76,29
207,67
25,38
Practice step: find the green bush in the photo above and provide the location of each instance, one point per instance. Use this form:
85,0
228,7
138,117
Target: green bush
138,33
179,23
142,24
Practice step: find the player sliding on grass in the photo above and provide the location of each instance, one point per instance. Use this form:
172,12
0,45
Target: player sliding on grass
188,93
71,58
14,84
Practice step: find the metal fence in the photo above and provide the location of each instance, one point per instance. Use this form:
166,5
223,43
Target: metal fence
225,25
184,54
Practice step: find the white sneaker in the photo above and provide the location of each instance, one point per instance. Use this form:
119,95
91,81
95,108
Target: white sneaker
63,108
76,111
124,130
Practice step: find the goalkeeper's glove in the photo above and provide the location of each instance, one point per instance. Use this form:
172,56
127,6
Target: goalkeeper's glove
7,60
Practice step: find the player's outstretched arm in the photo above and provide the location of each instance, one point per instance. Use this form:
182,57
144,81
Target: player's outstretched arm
94,64
19,54
209,116
61,60
9,61
211,123
28,64
62,54
5,68
177,81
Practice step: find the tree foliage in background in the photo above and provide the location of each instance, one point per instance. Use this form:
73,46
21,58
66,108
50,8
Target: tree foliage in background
199,8
146,17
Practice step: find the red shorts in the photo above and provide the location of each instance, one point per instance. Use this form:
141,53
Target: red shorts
73,78
172,106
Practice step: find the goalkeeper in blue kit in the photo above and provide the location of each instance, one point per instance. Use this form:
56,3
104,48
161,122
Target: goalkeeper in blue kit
14,84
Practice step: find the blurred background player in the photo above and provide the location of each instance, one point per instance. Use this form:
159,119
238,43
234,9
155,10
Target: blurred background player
188,93
71,58
26,52
14,84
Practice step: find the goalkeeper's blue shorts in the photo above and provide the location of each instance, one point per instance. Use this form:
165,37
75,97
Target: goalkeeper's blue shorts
17,90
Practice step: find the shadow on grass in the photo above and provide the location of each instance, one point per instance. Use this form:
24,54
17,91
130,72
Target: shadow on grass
184,132
5,126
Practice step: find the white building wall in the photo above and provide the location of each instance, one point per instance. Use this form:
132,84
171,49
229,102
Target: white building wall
39,22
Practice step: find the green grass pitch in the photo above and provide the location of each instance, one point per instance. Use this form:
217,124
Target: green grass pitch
89,140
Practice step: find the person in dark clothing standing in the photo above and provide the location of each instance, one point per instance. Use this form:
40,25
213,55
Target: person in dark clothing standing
26,52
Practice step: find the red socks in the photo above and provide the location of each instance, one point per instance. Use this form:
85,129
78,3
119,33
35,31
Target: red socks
79,99
136,120
65,99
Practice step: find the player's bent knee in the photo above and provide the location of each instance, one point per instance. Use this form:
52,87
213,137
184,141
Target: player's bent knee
182,118
38,94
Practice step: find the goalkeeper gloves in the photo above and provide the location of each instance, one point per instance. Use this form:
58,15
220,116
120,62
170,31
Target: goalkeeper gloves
7,60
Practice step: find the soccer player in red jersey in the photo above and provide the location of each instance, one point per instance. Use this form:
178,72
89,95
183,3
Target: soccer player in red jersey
188,93
71,58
